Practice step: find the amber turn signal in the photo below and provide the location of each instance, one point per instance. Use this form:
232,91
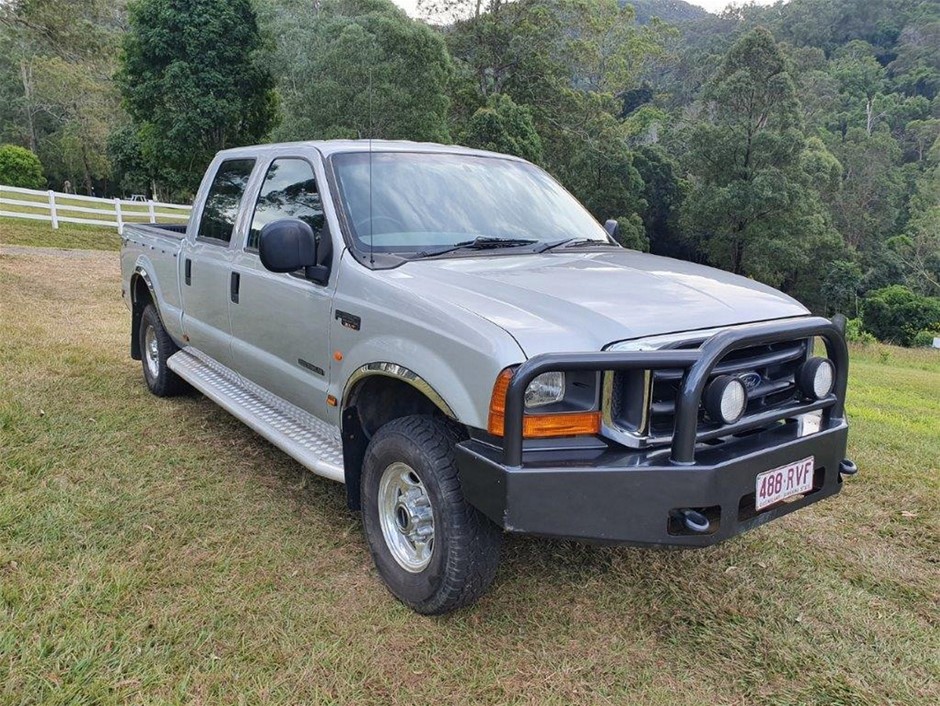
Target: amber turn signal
497,420
539,426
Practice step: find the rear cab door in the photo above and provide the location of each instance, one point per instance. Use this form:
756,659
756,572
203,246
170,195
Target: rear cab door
207,254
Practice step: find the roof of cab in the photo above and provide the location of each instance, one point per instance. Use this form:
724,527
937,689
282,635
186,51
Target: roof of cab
330,147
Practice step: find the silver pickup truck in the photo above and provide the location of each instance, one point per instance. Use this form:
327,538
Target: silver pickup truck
451,334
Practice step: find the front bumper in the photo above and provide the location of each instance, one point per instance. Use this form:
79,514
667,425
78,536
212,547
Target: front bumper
616,494
632,497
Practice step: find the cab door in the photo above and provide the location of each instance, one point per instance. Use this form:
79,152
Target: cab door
281,322
206,262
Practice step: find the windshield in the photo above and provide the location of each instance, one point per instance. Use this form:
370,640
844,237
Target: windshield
424,202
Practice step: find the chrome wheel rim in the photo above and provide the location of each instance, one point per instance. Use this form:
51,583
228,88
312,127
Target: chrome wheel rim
406,517
151,352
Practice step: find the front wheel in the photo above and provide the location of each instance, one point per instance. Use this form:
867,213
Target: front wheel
434,551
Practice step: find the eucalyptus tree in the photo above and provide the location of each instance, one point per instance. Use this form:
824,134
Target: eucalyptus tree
868,205
751,204
57,95
918,248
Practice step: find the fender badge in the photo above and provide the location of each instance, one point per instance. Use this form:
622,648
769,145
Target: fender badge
348,320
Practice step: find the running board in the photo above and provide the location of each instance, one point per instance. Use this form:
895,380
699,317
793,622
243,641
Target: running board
310,441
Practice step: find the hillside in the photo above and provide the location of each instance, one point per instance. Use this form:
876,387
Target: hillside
671,11
830,190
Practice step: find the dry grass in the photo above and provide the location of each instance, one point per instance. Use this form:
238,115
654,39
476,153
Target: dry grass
158,551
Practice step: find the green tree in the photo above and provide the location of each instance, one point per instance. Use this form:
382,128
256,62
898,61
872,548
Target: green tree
81,106
131,171
57,93
820,100
861,79
506,47
603,47
20,167
632,233
569,62
916,68
194,81
503,126
829,24
663,192
587,149
14,119
918,248
895,314
751,205
74,30
921,135
867,206
360,68
841,287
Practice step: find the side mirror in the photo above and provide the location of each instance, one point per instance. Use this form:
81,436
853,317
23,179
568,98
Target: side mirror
289,245
612,227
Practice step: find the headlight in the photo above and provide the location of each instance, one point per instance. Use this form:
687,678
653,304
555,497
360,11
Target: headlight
571,402
725,399
816,377
546,389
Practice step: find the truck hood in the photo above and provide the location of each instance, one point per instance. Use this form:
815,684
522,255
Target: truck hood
583,301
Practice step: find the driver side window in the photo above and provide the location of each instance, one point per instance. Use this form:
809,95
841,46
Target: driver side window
289,191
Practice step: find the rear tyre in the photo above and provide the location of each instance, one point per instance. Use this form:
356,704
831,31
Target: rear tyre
435,552
156,347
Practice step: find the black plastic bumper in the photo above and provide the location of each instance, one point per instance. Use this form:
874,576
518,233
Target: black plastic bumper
632,497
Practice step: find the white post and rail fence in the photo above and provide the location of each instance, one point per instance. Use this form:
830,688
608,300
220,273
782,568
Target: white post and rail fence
56,207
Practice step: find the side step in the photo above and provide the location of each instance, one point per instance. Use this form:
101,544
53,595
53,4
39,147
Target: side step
310,441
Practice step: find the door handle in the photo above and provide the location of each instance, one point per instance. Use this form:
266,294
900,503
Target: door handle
234,284
188,278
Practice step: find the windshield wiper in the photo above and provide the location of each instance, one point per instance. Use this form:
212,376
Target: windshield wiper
479,243
575,243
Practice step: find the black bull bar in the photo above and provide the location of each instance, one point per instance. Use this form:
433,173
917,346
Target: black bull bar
698,365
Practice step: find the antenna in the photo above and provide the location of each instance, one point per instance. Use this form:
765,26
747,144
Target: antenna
371,245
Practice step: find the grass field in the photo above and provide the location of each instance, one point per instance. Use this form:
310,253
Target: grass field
158,551
69,236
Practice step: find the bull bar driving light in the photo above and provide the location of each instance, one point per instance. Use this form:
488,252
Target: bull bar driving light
816,377
725,399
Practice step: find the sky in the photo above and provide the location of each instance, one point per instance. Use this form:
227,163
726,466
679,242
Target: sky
710,5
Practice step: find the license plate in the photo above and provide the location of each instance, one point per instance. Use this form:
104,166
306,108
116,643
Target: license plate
781,483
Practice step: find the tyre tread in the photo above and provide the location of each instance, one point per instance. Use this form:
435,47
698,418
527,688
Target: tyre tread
475,541
168,383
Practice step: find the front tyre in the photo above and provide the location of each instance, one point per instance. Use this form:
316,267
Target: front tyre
434,551
156,347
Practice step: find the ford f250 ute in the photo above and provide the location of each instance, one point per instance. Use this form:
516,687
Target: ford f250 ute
451,334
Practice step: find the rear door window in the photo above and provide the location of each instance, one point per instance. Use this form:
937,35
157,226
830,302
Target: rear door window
289,191
223,200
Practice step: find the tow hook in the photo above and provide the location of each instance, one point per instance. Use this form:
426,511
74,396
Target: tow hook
847,467
693,520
